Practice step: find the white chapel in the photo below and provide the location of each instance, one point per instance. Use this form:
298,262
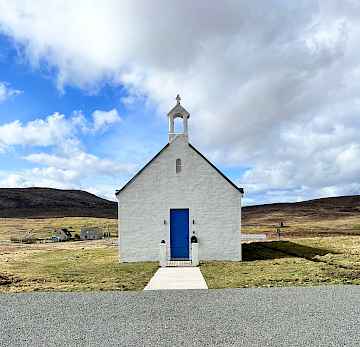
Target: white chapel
177,195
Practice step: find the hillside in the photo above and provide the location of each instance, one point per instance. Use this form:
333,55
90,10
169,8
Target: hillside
336,215
48,202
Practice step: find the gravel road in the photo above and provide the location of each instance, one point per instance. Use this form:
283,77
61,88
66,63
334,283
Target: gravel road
321,316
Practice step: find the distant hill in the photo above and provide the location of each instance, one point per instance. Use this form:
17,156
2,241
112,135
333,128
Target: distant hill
48,202
325,216
315,210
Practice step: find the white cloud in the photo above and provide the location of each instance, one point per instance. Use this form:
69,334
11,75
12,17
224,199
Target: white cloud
7,92
53,178
65,164
102,119
276,93
40,132
84,164
79,170
55,130
105,191
40,177
313,160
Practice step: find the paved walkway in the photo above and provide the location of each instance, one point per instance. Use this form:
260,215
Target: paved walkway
177,278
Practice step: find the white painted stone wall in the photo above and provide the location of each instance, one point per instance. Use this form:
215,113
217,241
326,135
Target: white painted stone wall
195,254
162,255
213,203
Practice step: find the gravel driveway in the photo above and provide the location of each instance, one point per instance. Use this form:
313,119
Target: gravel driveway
321,316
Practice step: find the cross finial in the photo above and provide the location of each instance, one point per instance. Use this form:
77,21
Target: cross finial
178,99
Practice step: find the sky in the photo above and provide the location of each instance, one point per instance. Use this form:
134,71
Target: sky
272,88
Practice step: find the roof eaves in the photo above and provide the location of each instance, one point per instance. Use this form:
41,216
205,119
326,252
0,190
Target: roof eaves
241,190
140,171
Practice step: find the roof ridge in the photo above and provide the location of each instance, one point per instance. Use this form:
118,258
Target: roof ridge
241,190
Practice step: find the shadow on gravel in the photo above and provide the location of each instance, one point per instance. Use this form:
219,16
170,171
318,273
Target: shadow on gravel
280,249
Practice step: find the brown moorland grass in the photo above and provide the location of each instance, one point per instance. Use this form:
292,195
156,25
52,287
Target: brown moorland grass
44,227
69,266
319,217
93,265
300,262
304,227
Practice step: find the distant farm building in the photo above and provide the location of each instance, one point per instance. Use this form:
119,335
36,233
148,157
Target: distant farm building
91,233
62,234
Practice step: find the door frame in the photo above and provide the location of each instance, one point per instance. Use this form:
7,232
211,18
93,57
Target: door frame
169,231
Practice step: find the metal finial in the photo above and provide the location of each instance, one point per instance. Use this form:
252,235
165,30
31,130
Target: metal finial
178,99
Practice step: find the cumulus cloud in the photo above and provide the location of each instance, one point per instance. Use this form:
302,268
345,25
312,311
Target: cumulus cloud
55,130
84,164
65,164
40,132
52,178
103,119
272,87
40,177
7,92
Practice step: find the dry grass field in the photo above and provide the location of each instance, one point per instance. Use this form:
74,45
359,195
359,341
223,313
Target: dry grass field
44,227
93,265
305,227
69,266
65,266
290,262
319,217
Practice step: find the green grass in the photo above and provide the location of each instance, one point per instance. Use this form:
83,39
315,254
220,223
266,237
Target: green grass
304,262
76,269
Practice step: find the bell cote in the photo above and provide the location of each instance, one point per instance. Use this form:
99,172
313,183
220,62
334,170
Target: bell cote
178,112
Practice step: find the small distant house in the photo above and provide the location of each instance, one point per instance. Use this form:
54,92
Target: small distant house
177,195
62,234
92,233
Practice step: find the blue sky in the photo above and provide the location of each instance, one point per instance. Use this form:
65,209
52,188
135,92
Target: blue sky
274,102
132,139
137,135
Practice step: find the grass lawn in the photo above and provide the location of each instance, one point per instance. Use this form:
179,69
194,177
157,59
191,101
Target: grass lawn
69,266
299,262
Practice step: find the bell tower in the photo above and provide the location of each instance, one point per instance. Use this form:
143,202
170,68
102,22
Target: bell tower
175,112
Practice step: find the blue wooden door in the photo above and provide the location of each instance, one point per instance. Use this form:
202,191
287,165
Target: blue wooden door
179,234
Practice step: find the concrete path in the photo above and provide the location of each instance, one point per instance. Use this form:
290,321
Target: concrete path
177,278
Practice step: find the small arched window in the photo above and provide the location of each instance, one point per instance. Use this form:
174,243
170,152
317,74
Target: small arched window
178,165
